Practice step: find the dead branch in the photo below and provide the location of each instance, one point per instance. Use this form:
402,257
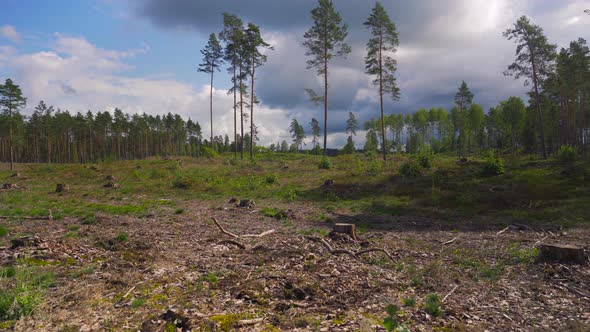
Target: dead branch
270,231
235,243
366,251
343,251
450,241
247,322
502,231
449,294
353,254
236,236
223,229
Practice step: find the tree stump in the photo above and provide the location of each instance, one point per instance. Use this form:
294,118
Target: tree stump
111,184
328,182
15,175
562,253
109,178
349,229
247,203
61,188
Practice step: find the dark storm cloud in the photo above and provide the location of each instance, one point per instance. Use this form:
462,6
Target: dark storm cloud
442,43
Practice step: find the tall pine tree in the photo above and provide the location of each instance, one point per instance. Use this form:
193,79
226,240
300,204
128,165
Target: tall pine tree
325,41
384,40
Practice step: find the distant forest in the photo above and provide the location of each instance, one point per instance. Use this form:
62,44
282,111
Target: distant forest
557,114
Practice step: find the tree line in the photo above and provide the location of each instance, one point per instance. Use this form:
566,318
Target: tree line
51,135
557,114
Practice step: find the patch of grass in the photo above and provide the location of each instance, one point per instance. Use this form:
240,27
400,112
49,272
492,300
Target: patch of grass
138,303
23,293
523,255
3,231
179,211
409,302
7,272
432,305
122,237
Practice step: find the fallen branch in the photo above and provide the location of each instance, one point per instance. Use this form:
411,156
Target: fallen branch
247,322
49,217
236,236
450,241
353,254
235,243
449,294
366,251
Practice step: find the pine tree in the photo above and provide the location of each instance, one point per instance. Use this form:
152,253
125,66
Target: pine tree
255,59
11,101
232,35
534,61
325,41
384,40
212,60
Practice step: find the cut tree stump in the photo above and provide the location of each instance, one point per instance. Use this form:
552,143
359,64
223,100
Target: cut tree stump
349,229
247,203
110,178
8,186
562,253
60,188
111,184
328,182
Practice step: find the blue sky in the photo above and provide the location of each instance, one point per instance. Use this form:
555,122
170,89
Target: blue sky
142,55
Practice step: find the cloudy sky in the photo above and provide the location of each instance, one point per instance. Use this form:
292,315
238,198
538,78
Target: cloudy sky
142,55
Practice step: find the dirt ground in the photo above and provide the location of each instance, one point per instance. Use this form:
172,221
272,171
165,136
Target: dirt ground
179,272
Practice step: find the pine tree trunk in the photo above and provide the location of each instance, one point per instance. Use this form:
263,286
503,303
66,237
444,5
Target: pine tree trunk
383,142
538,100
211,104
252,116
325,98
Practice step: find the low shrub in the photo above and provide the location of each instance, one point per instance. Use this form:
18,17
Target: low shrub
325,163
567,153
207,152
410,168
426,156
493,166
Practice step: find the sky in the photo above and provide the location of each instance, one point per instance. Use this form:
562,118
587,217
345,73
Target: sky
142,56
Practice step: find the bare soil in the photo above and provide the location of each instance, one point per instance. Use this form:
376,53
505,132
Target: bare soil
179,270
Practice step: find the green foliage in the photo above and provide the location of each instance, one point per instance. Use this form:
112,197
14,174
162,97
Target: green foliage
374,167
122,237
7,272
493,165
410,168
567,153
325,163
138,303
391,323
25,292
425,156
409,302
179,211
523,255
181,182
3,231
207,152
432,305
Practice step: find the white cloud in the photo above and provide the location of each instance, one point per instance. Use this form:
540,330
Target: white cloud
9,32
77,76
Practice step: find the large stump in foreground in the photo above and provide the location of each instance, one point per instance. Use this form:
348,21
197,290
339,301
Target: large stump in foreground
349,229
562,253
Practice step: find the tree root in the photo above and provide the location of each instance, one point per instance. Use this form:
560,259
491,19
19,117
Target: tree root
352,254
236,236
